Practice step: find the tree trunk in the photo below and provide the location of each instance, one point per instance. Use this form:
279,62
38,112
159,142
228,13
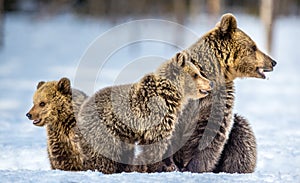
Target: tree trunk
1,23
267,15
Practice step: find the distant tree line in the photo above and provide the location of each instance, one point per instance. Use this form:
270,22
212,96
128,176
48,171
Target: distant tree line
268,10
145,7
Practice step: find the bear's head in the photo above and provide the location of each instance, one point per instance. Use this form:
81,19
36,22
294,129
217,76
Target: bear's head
52,102
194,84
238,53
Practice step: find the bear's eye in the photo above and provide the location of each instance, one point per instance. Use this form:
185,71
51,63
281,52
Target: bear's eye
195,76
203,74
42,104
254,48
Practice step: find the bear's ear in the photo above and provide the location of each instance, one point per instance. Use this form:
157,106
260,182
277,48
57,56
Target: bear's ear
180,59
40,84
228,23
64,86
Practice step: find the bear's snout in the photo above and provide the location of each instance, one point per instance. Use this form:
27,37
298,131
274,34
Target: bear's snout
29,116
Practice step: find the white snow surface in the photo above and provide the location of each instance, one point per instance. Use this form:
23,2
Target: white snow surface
48,48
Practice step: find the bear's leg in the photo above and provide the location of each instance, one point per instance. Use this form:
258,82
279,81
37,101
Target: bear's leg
166,165
150,159
203,161
127,157
206,148
169,165
239,154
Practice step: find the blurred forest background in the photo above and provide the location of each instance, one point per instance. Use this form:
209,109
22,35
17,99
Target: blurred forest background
176,10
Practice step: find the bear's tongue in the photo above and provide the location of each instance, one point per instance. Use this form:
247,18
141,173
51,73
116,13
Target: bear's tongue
36,121
261,72
204,92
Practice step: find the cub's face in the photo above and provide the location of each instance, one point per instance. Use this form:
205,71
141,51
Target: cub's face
49,101
196,86
42,113
248,60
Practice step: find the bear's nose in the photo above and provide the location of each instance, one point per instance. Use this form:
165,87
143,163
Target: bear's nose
29,116
211,84
274,63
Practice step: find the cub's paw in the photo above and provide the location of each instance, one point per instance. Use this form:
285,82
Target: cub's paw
170,168
136,168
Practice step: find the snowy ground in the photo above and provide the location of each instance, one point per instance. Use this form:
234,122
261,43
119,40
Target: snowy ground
50,48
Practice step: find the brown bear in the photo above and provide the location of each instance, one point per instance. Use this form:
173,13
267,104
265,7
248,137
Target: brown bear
206,138
115,118
56,105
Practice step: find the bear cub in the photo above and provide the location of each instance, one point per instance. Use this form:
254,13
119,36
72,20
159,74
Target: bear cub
115,118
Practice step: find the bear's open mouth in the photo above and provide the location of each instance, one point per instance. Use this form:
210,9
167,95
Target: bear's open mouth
204,92
35,122
261,71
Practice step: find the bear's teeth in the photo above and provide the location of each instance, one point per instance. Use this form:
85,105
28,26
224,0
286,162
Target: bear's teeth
261,72
36,121
203,92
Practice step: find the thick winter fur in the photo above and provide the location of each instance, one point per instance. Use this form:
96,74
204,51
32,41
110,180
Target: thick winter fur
56,106
223,54
115,118
239,150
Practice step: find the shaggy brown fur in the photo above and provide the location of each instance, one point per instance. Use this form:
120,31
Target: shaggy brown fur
56,105
115,118
224,53
240,149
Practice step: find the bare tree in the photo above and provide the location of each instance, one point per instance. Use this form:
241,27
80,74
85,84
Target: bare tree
1,22
267,15
214,7
195,7
180,10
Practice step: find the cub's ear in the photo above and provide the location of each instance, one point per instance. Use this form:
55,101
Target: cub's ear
40,84
180,59
228,23
64,86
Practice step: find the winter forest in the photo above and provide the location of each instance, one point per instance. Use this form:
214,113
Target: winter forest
100,43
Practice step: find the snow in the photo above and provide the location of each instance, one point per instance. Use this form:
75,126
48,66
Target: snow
49,48
60,176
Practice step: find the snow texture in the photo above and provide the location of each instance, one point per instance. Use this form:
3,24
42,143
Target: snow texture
48,48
